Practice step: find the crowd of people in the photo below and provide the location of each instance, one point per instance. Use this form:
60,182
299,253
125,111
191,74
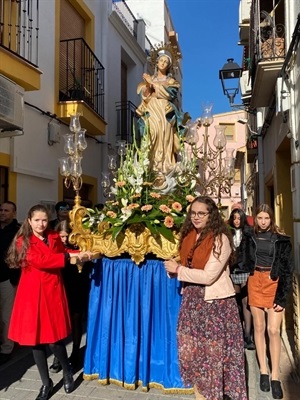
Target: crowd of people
235,277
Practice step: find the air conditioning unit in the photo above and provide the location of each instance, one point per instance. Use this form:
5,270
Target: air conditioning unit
245,85
244,22
11,108
244,11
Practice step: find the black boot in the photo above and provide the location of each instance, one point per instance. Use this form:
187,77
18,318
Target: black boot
45,391
68,381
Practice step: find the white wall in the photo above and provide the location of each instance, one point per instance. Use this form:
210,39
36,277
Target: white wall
34,161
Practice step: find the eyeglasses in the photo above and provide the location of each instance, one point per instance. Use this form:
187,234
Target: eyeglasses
199,214
63,208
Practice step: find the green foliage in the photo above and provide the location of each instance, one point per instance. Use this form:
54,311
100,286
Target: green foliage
137,200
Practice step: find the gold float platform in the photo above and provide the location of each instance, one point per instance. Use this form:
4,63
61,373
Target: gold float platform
136,241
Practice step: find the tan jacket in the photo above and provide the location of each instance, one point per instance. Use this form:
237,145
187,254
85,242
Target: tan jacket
215,274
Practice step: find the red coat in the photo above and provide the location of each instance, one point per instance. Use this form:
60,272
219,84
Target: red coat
40,314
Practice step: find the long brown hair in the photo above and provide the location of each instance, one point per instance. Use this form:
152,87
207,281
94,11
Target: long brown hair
15,255
215,225
63,225
274,228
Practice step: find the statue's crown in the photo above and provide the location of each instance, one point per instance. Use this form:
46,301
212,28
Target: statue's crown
164,48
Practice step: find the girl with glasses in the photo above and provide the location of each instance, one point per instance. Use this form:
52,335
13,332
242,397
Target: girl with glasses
209,331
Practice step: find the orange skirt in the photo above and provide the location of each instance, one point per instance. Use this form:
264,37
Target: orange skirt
261,290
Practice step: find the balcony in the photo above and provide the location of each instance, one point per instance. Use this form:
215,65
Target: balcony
81,85
19,35
267,54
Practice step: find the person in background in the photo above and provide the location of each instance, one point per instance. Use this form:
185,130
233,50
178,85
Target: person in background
239,205
209,331
40,315
62,209
238,224
77,285
9,279
267,255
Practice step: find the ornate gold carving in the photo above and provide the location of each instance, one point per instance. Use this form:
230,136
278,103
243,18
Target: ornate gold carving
137,241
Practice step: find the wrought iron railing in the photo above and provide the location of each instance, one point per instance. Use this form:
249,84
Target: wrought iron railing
270,38
126,121
130,21
267,36
126,15
81,75
19,28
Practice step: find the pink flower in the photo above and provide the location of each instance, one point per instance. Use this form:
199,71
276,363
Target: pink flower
132,206
177,206
147,207
190,198
111,214
169,222
120,183
164,208
155,195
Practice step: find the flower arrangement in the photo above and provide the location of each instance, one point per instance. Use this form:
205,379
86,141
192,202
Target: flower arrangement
138,200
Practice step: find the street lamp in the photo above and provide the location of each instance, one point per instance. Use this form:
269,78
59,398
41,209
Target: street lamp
75,144
230,76
215,161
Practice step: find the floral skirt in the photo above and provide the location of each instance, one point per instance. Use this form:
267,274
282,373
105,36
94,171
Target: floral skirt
211,346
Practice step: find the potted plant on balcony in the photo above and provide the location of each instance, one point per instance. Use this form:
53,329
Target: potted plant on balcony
77,91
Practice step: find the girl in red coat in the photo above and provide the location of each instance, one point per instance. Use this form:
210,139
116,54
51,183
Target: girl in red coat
40,314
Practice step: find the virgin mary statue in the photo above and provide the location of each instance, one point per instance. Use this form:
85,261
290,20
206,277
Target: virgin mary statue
159,116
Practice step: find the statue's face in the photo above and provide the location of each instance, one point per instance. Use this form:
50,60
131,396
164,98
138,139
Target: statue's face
163,63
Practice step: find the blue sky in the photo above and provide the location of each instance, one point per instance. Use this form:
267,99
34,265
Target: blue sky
208,35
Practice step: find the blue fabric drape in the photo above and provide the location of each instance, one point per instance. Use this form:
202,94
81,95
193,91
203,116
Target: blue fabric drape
131,332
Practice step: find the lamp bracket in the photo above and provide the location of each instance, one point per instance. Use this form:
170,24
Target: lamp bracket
244,107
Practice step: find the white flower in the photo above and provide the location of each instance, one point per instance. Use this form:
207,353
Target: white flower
114,190
193,183
171,185
126,213
124,202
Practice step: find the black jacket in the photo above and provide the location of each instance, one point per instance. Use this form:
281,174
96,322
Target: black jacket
6,237
282,264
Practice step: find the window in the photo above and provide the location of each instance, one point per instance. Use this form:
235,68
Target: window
229,131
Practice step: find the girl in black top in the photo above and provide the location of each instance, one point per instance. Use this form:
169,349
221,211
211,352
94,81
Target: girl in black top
267,255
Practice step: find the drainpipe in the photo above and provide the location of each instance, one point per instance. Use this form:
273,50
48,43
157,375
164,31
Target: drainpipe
260,159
